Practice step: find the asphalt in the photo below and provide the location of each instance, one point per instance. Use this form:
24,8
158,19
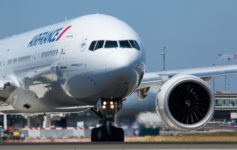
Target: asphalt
117,146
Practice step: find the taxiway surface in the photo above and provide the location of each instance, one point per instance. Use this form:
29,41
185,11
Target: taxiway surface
117,146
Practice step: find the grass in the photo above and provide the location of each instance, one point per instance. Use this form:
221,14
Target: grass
197,137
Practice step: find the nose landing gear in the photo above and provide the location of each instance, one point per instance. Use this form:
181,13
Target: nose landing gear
107,110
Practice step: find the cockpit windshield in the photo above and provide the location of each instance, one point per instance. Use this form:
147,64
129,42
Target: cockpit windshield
124,44
134,44
113,44
99,44
92,46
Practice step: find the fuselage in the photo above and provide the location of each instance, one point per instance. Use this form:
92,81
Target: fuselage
92,57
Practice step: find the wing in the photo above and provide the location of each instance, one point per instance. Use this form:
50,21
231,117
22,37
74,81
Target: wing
158,78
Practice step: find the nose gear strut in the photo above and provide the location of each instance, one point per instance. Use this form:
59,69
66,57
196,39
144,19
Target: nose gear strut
106,109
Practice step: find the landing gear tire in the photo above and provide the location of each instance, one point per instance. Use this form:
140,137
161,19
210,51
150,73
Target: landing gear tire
102,135
118,135
98,135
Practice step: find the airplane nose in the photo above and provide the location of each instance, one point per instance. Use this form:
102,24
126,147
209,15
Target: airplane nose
122,59
124,69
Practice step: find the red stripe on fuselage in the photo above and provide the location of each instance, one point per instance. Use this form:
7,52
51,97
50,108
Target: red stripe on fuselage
63,32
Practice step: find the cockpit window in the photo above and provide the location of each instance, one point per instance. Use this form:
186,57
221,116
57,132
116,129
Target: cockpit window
99,44
134,44
92,46
124,44
138,47
111,44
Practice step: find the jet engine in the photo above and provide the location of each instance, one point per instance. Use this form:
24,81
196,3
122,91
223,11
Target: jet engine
5,90
185,102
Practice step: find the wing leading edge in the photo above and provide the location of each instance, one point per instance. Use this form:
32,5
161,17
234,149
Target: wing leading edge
158,78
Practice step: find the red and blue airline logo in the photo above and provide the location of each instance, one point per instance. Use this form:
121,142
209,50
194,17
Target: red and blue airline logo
48,37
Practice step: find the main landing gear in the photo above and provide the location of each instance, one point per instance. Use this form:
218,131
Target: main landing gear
106,110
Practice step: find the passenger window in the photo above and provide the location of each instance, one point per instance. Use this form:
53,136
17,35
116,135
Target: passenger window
9,61
14,60
99,44
92,46
124,44
111,44
134,44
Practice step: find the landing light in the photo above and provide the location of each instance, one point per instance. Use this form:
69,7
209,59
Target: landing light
112,106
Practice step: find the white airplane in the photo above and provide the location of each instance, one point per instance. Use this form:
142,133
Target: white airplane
94,62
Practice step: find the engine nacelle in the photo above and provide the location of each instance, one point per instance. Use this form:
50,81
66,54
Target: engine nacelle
5,90
185,102
26,101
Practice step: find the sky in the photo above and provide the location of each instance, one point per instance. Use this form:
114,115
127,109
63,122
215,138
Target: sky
194,31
